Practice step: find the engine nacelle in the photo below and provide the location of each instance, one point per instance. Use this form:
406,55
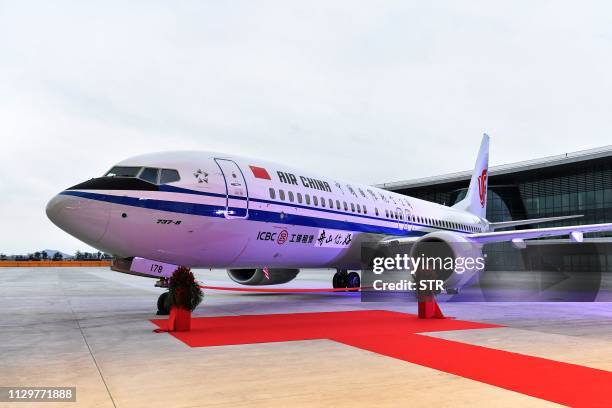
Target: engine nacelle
467,256
253,277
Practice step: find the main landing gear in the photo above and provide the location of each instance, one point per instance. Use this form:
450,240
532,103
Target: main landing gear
345,279
163,302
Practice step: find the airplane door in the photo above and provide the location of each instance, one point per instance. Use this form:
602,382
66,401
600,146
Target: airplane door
408,219
401,221
236,191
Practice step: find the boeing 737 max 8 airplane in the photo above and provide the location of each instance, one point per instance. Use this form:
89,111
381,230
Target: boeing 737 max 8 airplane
263,222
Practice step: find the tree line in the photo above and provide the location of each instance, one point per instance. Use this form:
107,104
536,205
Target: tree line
57,256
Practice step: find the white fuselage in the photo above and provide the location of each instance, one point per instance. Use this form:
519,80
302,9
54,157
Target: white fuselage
233,212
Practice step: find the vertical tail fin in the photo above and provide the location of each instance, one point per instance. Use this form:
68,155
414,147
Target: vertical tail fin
475,200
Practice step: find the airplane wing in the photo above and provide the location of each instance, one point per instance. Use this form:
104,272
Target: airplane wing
517,236
506,224
575,231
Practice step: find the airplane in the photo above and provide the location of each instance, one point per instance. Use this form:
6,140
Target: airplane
263,221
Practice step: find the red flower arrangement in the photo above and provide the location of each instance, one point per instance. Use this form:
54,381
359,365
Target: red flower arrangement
184,291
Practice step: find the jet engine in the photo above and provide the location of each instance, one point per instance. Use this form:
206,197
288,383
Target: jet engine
460,258
255,277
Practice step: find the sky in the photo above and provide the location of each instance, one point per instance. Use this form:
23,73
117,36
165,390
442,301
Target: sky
362,91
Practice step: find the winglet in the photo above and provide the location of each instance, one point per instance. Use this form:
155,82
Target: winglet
475,200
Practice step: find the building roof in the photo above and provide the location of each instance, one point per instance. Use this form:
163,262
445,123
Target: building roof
549,161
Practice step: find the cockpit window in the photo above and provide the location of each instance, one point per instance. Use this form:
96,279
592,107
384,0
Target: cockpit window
169,176
149,174
122,171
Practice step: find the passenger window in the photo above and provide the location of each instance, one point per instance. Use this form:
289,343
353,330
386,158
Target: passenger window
281,194
338,204
169,176
345,206
331,203
386,213
149,174
365,210
290,193
376,211
358,208
307,199
322,201
352,207
272,193
315,200
299,197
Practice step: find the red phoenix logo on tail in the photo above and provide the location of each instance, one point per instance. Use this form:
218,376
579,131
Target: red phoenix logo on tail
482,187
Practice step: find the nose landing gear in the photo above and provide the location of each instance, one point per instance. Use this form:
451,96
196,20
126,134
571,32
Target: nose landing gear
163,302
345,279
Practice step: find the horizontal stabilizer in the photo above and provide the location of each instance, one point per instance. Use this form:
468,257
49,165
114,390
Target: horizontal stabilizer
506,224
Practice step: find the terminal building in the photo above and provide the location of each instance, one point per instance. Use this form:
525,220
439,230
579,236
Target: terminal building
568,184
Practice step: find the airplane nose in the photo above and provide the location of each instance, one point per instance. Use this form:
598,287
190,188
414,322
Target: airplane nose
83,218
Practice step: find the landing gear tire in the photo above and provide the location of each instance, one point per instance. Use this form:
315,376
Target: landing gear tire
353,281
340,280
163,304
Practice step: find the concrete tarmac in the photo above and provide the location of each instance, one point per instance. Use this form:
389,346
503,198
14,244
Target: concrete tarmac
90,328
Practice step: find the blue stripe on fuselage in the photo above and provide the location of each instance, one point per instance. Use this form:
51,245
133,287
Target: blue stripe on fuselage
174,189
208,210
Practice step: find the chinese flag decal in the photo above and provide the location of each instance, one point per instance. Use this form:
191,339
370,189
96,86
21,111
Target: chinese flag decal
260,173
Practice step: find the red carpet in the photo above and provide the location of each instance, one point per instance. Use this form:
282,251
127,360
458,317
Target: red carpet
395,335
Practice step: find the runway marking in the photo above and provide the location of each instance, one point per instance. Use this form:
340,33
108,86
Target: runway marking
396,335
